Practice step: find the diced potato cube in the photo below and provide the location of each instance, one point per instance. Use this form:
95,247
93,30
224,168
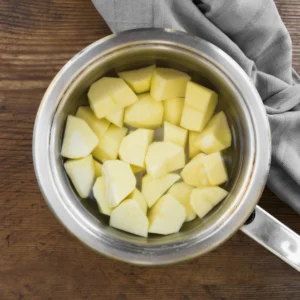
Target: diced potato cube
120,181
117,118
166,216
175,134
99,191
98,169
104,107
139,80
109,144
140,198
194,172
164,157
79,139
137,169
199,106
204,199
145,113
108,95
134,146
201,98
193,119
173,110
215,168
200,205
153,189
213,194
99,126
216,136
128,216
168,83
193,150
82,174
122,94
182,192
101,99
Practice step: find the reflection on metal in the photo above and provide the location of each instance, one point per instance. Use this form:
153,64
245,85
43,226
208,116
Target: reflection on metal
275,236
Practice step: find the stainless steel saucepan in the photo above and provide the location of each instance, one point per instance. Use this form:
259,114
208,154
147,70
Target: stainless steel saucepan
248,160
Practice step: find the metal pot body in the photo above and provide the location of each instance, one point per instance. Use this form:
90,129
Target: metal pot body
248,160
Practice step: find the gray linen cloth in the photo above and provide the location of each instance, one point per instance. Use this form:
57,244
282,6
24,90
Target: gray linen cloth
251,32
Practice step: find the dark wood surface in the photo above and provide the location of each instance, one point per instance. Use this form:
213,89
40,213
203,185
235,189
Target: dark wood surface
38,258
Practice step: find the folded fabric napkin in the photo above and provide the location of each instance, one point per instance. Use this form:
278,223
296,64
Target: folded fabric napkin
253,34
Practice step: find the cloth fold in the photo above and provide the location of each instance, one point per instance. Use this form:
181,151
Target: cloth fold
253,34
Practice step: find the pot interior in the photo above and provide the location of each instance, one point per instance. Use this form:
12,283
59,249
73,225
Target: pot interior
203,71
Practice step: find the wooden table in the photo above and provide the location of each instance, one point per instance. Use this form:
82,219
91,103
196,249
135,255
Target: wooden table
39,259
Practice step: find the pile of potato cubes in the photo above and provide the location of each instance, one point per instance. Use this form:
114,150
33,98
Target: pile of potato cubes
173,191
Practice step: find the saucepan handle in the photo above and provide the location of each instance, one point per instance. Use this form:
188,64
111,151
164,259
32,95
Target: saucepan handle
274,236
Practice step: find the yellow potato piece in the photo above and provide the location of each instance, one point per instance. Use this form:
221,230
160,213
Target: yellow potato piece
119,179
215,168
99,126
98,169
194,172
99,191
175,134
108,95
153,189
213,194
182,192
193,119
117,118
163,158
82,174
216,136
134,146
139,80
173,110
204,199
200,103
145,113
79,139
168,83
200,205
140,198
193,150
101,99
166,216
128,216
109,144
200,97
137,169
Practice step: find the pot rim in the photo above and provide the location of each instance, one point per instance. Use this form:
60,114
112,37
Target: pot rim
59,86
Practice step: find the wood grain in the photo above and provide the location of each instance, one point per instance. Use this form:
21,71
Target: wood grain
38,258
